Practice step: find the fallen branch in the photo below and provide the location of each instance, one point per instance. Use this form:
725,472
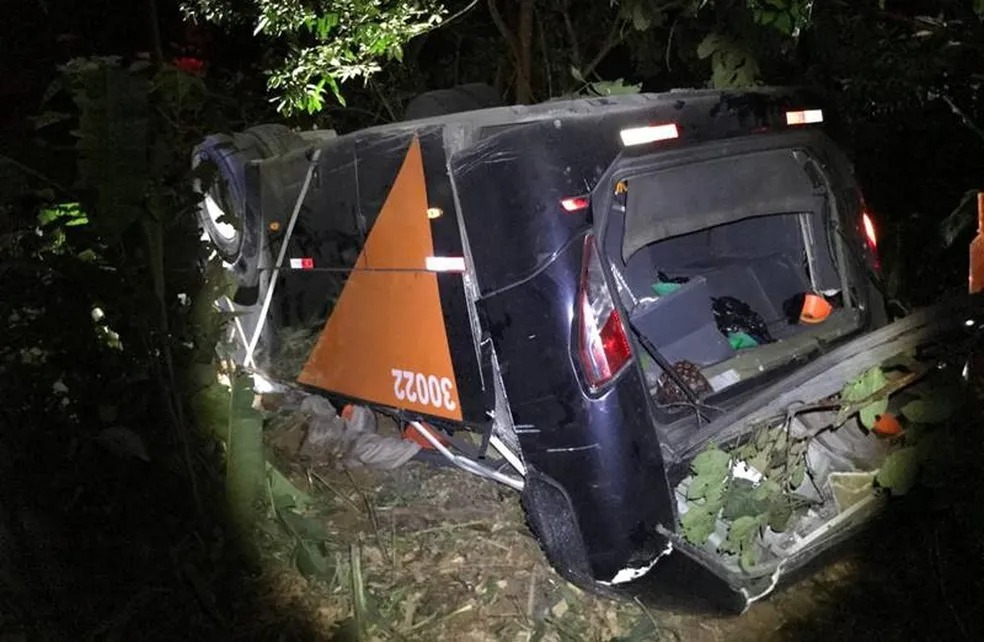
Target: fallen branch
373,519
334,490
885,391
448,527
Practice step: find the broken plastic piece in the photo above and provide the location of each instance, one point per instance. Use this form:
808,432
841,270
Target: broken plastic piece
629,574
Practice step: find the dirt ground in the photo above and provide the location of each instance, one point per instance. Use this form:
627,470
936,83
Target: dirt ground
432,553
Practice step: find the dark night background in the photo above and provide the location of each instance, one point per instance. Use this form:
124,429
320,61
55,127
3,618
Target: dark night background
98,546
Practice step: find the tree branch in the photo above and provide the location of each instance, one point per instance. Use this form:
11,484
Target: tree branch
523,88
154,32
500,24
572,35
546,53
960,113
525,34
613,39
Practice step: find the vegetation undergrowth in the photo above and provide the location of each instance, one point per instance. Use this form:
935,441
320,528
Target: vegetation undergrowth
135,499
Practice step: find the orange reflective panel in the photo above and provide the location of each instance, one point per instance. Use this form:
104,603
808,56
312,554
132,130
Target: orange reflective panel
385,341
977,250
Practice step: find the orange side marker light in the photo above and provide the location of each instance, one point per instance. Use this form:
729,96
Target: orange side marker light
977,250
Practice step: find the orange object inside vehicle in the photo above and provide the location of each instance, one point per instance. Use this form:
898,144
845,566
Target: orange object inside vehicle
815,309
887,425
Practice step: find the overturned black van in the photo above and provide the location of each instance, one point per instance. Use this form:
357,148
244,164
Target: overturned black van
601,287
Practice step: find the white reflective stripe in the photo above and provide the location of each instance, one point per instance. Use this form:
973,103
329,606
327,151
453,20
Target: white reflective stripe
650,134
804,117
445,263
507,454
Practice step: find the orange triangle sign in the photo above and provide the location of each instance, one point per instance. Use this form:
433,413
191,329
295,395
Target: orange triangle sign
385,342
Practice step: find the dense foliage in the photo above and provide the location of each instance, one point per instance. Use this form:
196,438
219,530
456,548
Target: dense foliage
105,478
324,43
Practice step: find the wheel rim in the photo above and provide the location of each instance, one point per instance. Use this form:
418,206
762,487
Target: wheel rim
226,231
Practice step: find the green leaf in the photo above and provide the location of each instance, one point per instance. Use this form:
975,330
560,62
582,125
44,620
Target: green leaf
123,442
614,88
783,23
244,446
871,412
715,496
303,528
864,386
798,475
284,493
711,462
642,631
742,501
767,490
710,469
211,409
935,407
640,19
780,512
68,214
742,540
698,523
899,471
708,45
762,438
749,557
311,562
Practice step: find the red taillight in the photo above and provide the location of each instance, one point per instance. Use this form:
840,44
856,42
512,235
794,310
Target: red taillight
603,346
870,238
575,203
869,231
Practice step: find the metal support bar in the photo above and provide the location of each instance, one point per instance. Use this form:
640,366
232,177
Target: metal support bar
467,464
507,454
268,299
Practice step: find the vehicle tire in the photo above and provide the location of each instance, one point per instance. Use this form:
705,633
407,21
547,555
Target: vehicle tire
552,521
231,224
224,198
452,101
275,139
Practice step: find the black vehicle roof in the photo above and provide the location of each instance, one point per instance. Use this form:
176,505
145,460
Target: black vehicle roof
518,115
